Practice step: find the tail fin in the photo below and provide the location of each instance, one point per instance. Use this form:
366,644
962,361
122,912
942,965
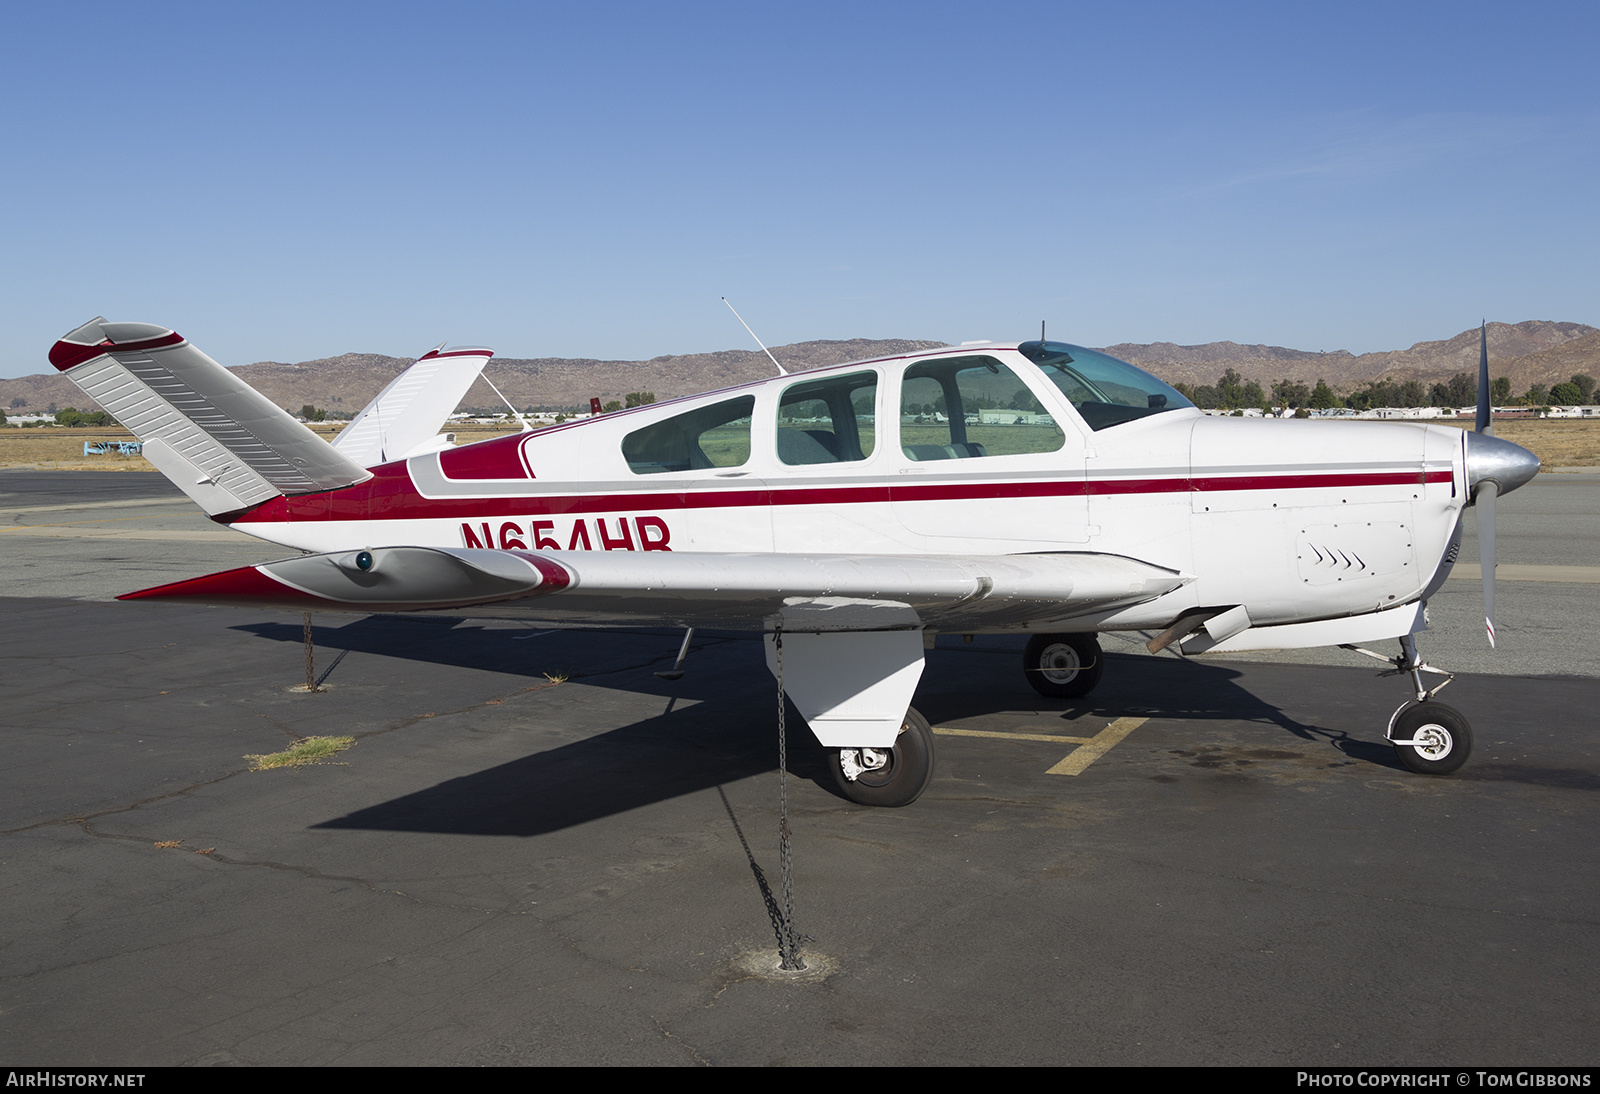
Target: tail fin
408,414
219,440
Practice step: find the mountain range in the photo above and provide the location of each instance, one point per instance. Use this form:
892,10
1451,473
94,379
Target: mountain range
1535,351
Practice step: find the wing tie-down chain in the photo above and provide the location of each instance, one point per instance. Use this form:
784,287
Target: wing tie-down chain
788,941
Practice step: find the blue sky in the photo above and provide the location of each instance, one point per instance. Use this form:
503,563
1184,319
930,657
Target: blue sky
286,181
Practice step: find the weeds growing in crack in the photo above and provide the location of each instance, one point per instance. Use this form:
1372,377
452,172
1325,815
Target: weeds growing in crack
307,750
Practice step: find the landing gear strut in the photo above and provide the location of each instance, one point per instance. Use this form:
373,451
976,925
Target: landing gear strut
1429,737
1063,666
888,776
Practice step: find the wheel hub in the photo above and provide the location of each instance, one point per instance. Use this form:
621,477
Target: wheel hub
1432,741
1060,664
855,762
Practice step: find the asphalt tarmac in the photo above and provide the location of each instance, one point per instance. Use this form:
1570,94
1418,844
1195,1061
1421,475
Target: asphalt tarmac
539,853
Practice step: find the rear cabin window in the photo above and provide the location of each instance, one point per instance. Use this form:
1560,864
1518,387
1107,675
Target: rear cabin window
828,421
696,440
959,408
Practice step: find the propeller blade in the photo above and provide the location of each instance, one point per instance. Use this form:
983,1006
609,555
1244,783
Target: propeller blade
1485,422
1485,503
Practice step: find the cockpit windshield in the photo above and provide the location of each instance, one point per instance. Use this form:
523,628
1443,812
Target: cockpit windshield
1105,391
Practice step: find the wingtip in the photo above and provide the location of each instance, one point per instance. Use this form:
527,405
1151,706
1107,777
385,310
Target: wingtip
97,337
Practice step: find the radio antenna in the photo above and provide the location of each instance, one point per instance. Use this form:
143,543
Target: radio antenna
526,428
781,370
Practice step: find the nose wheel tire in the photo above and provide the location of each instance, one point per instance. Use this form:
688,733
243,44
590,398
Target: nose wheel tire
1063,666
1431,738
888,776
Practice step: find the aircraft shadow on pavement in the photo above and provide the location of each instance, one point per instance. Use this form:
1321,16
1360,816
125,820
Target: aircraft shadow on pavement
729,733
708,745
1144,686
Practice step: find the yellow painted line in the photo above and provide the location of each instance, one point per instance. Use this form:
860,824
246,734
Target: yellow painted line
1088,751
1047,738
1102,743
1520,571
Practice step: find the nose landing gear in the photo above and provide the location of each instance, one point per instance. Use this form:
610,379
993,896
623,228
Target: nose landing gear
1429,737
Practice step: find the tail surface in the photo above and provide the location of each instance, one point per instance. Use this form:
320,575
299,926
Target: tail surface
218,439
405,419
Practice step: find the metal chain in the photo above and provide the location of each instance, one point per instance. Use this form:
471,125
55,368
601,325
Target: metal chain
311,679
788,942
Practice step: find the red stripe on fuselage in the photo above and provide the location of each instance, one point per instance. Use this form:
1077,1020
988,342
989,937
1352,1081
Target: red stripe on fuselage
389,495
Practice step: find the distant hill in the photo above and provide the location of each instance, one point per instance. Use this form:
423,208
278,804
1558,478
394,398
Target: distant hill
1535,351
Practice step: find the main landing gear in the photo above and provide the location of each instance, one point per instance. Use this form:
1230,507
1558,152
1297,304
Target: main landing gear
1063,666
1429,737
888,776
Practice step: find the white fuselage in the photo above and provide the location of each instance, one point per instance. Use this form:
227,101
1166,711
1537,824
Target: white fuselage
1296,520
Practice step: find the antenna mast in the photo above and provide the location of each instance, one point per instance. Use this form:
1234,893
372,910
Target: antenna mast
526,428
781,370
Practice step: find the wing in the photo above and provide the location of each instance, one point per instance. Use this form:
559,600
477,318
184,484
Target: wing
733,591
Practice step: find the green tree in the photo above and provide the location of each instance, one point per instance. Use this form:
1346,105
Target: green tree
1463,390
1290,393
1585,384
640,398
1230,390
611,406
1322,396
1500,390
1566,394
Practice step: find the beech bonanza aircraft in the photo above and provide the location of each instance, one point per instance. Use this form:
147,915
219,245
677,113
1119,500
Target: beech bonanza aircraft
855,511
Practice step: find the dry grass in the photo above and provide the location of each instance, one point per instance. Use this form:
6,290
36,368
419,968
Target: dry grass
52,448
1558,442
58,449
307,750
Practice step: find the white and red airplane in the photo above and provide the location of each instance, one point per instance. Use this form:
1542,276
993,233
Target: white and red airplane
851,513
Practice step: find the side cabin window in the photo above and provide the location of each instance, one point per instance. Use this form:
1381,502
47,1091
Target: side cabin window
696,440
828,421
958,408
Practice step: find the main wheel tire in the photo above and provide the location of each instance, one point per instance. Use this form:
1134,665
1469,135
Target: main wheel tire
904,776
1063,666
1447,736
